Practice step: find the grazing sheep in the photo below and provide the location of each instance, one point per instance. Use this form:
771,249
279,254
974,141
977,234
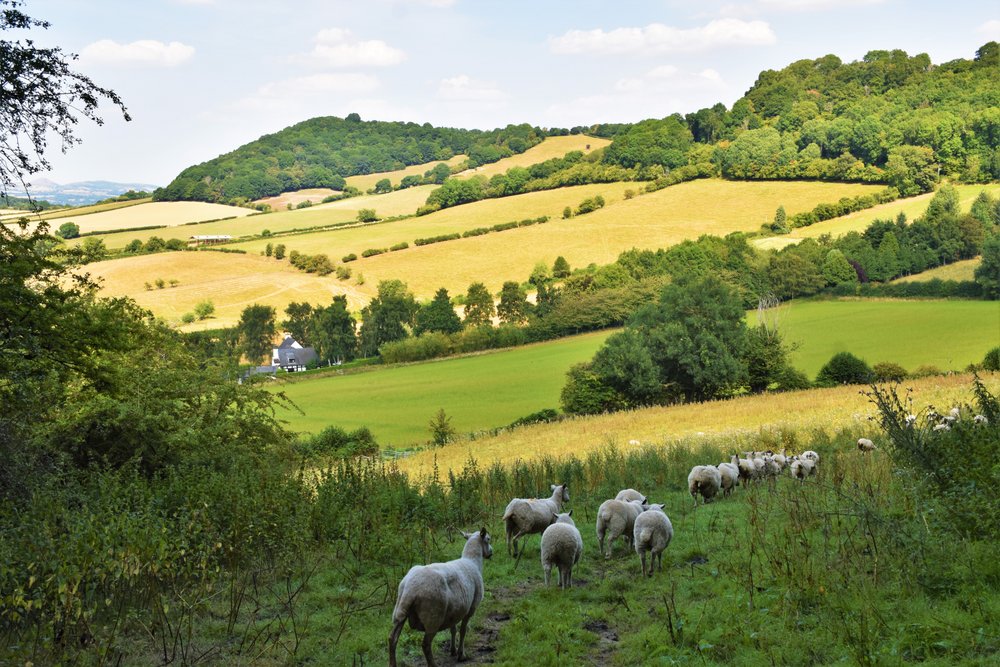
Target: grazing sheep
748,471
781,459
525,516
652,533
562,546
811,455
616,518
730,474
634,443
910,420
802,468
866,445
771,467
628,495
981,420
704,480
440,596
941,427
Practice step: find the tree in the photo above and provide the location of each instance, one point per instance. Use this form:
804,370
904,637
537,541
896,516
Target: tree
837,270
383,186
780,224
387,317
442,432
279,251
766,358
479,308
257,331
367,215
513,307
68,230
41,97
204,309
625,364
268,250
331,331
988,272
438,315
844,368
297,321
586,394
93,250
560,268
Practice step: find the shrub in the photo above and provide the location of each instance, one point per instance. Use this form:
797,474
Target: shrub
367,215
926,370
279,251
371,252
343,273
399,246
429,345
204,309
541,417
335,441
348,258
160,283
887,371
187,318
844,368
437,239
175,244
991,362
585,394
478,231
68,230
504,226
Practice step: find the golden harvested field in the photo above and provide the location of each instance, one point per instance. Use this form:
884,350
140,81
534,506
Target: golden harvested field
962,270
230,281
858,221
296,197
402,202
655,220
802,410
172,213
550,148
72,212
368,181
339,242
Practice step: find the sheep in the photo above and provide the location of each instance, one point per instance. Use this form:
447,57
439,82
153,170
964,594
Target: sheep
704,480
771,467
634,443
616,518
525,516
802,468
628,495
562,546
811,455
652,533
910,420
865,445
747,469
441,596
941,427
981,420
781,459
730,473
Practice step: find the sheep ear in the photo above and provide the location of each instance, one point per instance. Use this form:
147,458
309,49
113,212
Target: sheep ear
465,534
570,513
552,487
645,501
482,532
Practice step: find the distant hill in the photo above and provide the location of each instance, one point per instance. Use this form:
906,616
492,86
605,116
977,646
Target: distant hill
321,152
82,192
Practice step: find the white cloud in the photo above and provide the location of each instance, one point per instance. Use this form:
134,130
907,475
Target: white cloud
466,89
659,38
990,29
814,5
348,83
142,52
667,79
336,47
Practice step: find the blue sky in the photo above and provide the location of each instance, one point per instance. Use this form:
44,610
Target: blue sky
201,77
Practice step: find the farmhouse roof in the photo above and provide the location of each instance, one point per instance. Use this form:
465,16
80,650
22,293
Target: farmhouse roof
295,357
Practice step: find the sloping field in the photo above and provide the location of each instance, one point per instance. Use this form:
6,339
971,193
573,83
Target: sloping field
549,148
337,243
368,181
6,215
655,220
171,213
946,334
230,281
344,211
296,197
858,221
962,270
792,411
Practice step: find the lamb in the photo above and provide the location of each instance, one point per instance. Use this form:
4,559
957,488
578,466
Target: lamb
616,518
730,474
628,495
562,546
802,468
811,455
525,516
652,533
866,445
704,480
441,596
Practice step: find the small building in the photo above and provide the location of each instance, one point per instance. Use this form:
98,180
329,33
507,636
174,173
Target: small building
209,239
290,356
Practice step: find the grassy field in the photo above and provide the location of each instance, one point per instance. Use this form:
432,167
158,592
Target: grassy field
171,213
294,198
656,220
395,203
397,402
962,270
7,215
368,181
858,221
551,147
946,334
230,281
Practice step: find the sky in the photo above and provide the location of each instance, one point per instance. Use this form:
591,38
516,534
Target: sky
202,77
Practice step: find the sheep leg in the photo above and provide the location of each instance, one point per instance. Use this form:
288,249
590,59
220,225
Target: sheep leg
461,637
454,646
642,559
517,546
393,640
429,649
548,569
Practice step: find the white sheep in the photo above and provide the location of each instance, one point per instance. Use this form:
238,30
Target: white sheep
941,427
748,471
811,455
781,459
616,518
562,546
866,445
771,467
634,443
628,495
652,533
525,516
730,474
704,480
802,468
440,596
981,420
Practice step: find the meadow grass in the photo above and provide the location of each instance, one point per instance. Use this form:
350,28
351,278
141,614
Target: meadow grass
366,182
655,220
7,215
551,147
231,281
295,197
171,214
961,270
344,211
